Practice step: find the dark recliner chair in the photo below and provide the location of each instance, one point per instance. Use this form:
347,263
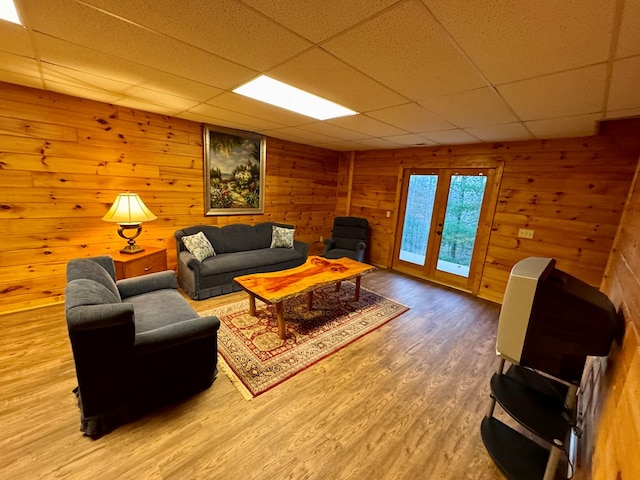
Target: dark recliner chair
349,239
137,343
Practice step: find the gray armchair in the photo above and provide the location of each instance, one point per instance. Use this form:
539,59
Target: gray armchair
348,239
137,343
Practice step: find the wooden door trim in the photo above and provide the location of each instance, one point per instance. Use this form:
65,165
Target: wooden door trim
494,168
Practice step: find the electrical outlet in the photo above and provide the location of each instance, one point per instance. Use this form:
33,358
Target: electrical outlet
388,214
321,238
525,233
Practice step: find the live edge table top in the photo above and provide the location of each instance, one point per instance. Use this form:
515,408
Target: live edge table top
273,287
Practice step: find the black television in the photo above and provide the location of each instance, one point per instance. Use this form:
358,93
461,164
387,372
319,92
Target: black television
551,321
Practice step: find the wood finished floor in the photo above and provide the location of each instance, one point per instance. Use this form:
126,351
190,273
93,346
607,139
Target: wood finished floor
404,402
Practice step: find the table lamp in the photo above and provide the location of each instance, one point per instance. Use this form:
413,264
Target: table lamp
129,211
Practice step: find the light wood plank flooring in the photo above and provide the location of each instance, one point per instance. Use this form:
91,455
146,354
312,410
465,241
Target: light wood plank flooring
404,402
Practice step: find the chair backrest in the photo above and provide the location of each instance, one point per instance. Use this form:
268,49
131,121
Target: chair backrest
349,231
99,270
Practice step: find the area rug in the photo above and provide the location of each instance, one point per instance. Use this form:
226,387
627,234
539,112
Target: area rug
256,359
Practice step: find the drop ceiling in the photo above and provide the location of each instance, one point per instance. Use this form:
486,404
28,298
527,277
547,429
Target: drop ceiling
419,72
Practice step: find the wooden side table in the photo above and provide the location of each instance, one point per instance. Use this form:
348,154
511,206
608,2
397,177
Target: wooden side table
152,260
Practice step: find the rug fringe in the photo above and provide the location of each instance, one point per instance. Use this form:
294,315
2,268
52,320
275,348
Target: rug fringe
233,378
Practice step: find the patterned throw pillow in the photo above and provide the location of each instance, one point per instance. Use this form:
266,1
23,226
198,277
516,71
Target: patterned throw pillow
281,237
199,246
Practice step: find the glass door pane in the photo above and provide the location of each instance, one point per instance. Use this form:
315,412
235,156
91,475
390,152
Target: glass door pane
417,218
464,203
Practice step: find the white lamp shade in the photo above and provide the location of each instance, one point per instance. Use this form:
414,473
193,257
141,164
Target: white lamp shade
128,209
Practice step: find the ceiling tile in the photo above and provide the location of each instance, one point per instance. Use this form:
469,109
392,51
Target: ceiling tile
322,74
332,131
318,20
226,28
366,126
500,133
409,139
178,104
373,144
625,84
407,50
411,117
511,40
11,76
145,105
471,108
83,80
98,31
216,114
254,108
575,92
629,38
107,68
15,39
18,64
87,92
452,137
299,135
578,126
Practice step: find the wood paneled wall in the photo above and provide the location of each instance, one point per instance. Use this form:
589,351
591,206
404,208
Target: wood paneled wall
571,192
63,160
612,385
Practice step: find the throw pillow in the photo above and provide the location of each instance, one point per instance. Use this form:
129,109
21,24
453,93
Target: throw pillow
282,237
199,246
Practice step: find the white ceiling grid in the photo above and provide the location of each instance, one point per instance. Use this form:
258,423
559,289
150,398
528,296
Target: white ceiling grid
418,72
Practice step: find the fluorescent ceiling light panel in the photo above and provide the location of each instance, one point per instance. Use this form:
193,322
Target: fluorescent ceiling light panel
8,12
285,96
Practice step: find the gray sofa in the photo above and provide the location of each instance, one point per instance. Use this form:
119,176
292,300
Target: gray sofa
137,343
240,249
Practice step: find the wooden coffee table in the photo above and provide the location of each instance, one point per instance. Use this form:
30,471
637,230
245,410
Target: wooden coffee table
275,287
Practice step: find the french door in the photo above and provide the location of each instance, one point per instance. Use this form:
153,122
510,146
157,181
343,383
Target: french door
444,226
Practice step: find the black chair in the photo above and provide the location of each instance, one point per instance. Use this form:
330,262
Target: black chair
349,239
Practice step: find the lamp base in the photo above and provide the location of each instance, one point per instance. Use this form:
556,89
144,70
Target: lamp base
132,249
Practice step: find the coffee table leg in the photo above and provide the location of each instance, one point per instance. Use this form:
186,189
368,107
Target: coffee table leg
282,333
309,301
252,305
357,288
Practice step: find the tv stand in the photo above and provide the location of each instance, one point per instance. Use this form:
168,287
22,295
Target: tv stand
545,407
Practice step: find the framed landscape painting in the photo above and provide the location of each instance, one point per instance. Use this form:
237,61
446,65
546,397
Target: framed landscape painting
234,166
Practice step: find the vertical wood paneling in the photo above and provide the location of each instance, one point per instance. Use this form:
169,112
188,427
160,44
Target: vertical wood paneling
612,385
63,160
571,192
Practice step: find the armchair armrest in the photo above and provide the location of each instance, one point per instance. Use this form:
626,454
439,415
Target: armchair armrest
129,287
96,317
302,247
329,243
177,333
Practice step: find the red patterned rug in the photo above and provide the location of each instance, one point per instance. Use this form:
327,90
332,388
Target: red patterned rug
256,359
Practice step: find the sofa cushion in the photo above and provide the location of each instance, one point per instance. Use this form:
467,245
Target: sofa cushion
160,308
239,238
282,237
199,246
85,268
247,262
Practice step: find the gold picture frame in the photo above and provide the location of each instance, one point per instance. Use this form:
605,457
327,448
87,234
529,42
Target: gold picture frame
234,171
